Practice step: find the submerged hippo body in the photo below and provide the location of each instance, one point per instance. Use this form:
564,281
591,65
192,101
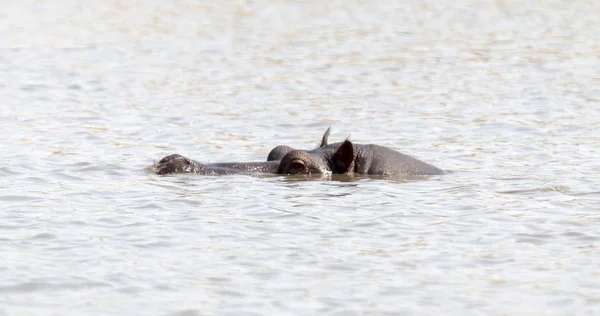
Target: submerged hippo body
180,164
349,158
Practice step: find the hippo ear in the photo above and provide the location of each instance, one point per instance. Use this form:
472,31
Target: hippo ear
343,159
325,137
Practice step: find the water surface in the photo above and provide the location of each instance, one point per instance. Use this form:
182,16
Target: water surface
503,94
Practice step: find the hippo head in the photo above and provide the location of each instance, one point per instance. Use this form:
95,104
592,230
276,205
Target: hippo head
335,158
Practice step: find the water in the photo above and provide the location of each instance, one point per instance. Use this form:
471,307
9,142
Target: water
502,94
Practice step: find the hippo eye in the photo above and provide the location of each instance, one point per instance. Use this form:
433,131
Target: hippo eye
296,166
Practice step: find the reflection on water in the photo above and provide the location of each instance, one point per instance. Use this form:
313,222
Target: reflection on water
502,93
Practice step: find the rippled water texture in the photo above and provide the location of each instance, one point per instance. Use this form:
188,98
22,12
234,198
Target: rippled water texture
503,94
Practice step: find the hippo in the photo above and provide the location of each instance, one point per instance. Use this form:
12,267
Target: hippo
349,158
337,158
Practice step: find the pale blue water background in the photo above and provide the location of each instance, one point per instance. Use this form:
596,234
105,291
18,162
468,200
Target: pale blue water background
505,94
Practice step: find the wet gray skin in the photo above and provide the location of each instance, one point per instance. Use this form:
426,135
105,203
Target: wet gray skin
349,158
180,164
